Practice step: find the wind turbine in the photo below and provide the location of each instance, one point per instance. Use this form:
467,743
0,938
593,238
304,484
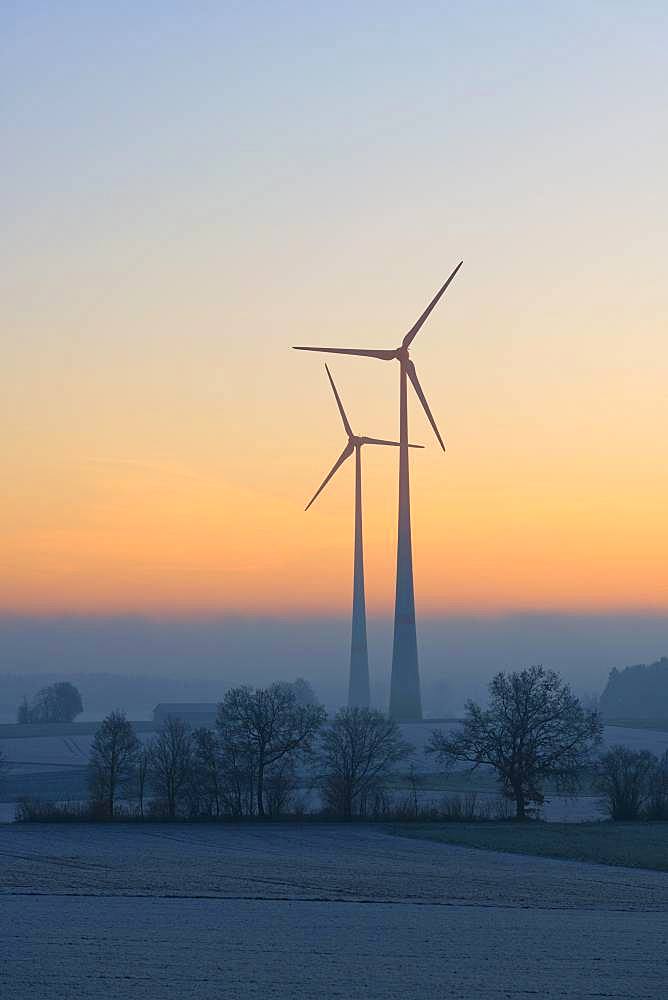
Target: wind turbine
358,685
405,698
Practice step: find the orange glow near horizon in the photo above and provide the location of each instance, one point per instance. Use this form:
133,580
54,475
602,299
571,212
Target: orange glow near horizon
490,533
176,220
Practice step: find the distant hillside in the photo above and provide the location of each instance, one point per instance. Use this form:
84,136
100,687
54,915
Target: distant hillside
639,692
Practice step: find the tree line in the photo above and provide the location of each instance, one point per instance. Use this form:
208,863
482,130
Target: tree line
268,742
637,692
248,765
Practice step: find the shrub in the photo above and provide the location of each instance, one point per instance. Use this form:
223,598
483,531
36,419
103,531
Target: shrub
623,777
34,811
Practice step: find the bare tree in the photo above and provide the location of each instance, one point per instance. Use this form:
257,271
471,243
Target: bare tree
113,759
304,692
359,751
4,764
208,770
265,725
534,730
238,764
413,783
279,784
623,777
171,763
138,784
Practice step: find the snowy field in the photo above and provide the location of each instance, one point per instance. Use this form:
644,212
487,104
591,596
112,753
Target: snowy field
34,753
298,911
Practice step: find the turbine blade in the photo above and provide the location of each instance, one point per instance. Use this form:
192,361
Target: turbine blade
412,374
394,444
382,355
346,425
412,333
346,453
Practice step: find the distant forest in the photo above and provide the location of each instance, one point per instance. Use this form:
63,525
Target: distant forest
639,692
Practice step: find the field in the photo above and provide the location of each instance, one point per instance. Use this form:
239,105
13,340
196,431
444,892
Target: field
634,845
12,731
328,911
660,725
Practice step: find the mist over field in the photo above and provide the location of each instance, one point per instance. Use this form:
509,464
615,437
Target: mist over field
198,658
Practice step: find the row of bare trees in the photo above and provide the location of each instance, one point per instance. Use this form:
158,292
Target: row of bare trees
249,764
533,733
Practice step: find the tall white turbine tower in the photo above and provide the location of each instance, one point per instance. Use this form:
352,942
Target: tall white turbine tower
358,684
405,698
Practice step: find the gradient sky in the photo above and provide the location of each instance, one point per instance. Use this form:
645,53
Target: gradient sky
187,191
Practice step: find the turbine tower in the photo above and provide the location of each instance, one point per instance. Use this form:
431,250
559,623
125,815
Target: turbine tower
358,684
405,698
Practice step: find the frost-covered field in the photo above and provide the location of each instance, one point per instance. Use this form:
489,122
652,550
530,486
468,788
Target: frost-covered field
315,912
33,753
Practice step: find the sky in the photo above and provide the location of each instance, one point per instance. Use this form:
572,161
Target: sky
189,190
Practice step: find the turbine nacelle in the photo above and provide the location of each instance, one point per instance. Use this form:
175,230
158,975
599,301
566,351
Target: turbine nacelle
355,441
400,354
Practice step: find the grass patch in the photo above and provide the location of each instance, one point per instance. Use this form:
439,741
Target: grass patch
51,784
634,845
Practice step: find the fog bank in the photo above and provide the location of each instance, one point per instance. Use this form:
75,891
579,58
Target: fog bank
202,656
